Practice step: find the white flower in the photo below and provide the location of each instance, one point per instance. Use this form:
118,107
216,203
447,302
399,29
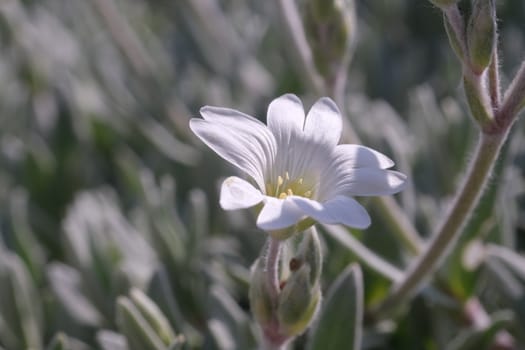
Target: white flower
295,166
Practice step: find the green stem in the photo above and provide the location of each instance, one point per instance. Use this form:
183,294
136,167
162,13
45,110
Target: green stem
513,102
399,223
363,254
448,232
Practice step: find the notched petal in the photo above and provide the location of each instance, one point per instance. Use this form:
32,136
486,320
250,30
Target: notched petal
357,156
324,123
285,118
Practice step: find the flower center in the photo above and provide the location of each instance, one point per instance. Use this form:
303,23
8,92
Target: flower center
285,187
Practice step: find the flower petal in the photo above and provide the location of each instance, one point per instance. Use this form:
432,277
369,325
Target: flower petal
278,214
367,182
238,138
324,123
237,193
357,156
285,118
339,210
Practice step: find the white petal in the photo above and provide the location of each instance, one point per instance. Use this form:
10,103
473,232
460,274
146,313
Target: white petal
324,123
237,193
357,156
339,210
278,214
285,118
368,182
238,138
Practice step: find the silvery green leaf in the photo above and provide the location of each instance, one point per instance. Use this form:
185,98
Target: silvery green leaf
109,340
227,322
340,320
20,308
63,342
199,216
474,339
66,285
27,246
59,342
161,291
167,144
135,328
153,315
515,262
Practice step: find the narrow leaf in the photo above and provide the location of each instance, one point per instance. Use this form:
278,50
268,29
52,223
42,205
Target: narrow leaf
339,323
475,339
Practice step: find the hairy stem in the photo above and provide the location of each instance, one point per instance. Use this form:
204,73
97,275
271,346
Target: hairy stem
466,199
513,102
364,255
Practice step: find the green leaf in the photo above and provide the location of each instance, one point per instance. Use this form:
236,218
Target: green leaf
476,339
227,322
67,287
151,312
20,309
59,342
132,324
109,340
340,321
512,260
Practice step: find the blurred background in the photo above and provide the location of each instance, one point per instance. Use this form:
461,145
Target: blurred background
103,188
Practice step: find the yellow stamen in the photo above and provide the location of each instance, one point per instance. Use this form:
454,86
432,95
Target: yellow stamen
287,176
280,180
300,181
308,194
289,192
282,195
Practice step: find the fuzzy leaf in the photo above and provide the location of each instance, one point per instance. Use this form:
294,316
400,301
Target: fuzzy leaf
339,324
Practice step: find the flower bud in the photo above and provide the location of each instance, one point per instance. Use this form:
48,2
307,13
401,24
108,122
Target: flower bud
300,296
481,35
298,302
330,31
260,298
309,252
478,101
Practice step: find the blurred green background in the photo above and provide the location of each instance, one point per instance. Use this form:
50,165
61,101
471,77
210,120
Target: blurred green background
103,188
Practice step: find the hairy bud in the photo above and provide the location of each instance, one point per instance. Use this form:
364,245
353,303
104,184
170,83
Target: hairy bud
298,302
481,35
